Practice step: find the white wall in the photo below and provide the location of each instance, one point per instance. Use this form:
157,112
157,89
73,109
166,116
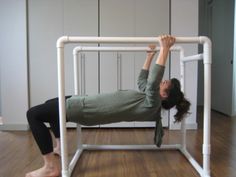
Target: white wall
217,22
13,63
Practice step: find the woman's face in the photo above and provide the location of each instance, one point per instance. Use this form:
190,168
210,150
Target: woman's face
164,88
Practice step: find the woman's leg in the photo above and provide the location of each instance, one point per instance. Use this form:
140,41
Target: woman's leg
47,112
37,116
54,124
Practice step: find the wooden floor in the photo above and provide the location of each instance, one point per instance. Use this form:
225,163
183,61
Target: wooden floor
19,153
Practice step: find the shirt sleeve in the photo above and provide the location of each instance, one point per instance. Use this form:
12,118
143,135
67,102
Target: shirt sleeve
142,80
153,85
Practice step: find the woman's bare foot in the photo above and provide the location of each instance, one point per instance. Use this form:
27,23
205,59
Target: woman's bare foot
44,172
51,167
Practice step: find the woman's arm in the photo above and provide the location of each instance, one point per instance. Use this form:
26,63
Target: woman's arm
157,72
150,54
143,75
166,41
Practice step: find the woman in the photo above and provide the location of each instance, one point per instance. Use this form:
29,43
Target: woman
123,105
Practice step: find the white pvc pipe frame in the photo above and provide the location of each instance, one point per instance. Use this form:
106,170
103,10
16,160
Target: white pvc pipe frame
207,60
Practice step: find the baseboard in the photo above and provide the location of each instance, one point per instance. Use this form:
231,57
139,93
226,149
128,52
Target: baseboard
189,126
14,127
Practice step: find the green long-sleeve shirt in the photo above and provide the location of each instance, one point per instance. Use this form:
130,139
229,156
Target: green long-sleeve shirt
122,105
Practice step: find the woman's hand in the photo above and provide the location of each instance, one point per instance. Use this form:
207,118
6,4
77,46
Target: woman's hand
151,52
167,41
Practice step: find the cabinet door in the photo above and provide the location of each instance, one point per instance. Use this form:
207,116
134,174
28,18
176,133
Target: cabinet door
115,23
81,19
45,28
48,20
116,19
151,19
180,19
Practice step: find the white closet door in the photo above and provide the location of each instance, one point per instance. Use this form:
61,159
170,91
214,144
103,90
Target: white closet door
179,20
81,19
116,19
151,19
45,27
48,20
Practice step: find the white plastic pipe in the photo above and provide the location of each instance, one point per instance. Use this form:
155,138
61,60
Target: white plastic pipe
120,49
62,112
123,40
192,161
182,82
192,58
131,147
184,60
61,87
207,60
74,161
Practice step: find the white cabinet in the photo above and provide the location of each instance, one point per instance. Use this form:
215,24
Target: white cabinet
13,65
151,19
45,26
81,19
48,20
186,24
130,18
116,19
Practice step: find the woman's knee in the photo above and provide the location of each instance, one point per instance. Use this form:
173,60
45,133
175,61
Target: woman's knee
32,114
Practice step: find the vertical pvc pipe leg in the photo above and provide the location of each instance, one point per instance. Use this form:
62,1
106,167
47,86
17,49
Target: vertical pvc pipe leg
182,81
82,68
79,137
62,111
206,149
207,121
76,74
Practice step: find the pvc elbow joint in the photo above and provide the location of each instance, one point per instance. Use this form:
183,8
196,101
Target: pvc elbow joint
61,41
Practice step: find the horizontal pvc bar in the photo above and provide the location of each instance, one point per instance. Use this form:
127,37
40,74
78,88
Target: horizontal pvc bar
78,39
120,49
130,147
192,58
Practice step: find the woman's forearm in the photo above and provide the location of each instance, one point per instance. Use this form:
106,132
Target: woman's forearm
163,56
148,61
150,54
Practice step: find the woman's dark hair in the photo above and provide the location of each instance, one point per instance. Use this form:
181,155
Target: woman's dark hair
176,98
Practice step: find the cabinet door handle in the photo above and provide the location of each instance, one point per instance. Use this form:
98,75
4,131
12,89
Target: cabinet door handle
119,59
